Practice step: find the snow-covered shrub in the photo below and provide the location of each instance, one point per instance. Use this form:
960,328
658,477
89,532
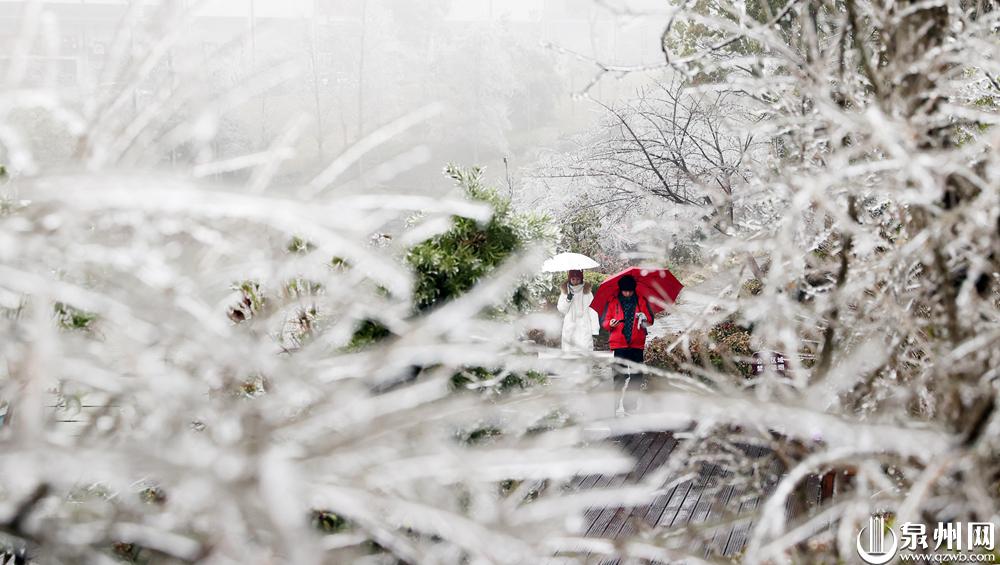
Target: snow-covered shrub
868,193
153,305
880,223
449,264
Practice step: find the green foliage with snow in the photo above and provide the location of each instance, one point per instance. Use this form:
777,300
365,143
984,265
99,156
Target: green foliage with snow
451,263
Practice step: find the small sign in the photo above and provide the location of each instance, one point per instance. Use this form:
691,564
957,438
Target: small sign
776,360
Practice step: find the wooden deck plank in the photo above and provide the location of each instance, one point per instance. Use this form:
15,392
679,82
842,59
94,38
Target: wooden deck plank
597,516
741,533
711,494
723,509
646,455
626,443
599,524
717,509
661,449
704,499
676,502
659,509
688,508
724,538
659,502
658,506
725,546
630,445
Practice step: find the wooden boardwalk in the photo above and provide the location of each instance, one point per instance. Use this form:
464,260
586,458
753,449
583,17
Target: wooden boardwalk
705,509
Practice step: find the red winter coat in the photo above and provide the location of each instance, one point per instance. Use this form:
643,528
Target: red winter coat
614,311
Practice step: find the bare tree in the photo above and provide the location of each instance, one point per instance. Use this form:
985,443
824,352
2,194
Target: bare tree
669,144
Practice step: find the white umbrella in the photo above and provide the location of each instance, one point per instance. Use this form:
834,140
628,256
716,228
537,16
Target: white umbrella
568,262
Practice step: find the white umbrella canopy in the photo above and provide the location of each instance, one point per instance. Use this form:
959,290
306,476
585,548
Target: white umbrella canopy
568,262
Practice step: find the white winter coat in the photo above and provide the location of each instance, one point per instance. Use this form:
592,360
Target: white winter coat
580,322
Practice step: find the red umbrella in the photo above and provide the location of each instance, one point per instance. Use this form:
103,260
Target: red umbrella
658,286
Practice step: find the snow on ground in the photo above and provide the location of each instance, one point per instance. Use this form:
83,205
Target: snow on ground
693,303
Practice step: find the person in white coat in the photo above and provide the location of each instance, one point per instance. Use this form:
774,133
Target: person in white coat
580,322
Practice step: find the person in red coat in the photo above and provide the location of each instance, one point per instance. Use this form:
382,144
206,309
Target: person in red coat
627,318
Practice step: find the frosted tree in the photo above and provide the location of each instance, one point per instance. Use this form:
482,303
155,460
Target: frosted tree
881,236
178,381
867,244
669,152
195,338
667,144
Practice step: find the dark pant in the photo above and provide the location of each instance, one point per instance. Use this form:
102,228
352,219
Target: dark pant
628,380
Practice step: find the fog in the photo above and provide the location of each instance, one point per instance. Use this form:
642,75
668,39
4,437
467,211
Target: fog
499,82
